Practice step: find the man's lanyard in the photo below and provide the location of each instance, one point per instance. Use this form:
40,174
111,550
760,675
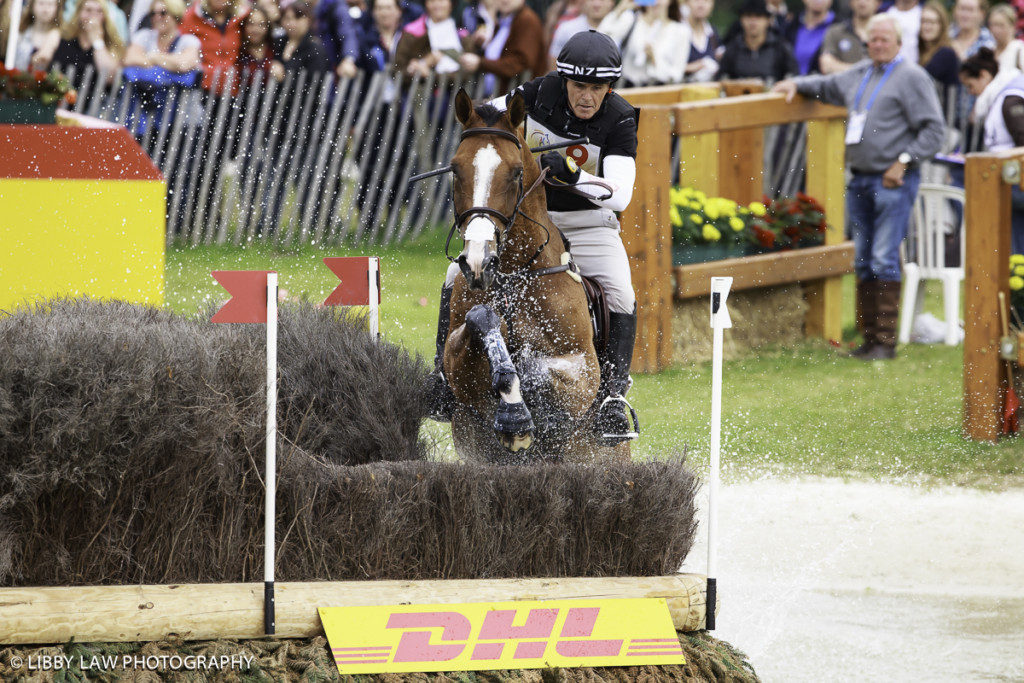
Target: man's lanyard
881,82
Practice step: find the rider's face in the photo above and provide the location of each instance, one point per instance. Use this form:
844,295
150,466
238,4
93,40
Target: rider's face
585,98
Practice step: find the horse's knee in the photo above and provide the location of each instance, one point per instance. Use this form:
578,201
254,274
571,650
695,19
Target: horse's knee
481,319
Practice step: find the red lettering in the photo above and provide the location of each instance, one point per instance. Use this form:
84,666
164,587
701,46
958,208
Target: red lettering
416,646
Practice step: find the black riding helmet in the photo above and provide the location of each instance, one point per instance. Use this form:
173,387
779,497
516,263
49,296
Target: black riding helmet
590,57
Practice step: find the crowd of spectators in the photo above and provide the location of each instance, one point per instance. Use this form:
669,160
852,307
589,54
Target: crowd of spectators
662,41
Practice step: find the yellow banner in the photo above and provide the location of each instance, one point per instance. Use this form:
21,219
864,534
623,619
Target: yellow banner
501,635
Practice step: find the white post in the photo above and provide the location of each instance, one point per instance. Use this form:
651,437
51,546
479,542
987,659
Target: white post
720,320
270,513
373,273
12,34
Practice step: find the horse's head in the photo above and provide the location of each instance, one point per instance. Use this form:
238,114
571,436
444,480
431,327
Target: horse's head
488,183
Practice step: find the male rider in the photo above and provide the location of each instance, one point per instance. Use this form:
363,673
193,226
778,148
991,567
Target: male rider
590,183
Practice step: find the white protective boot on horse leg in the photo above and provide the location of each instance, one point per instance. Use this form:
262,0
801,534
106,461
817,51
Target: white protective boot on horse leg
616,420
440,396
512,420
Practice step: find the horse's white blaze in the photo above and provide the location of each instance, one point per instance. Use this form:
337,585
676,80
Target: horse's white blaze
485,163
513,395
480,230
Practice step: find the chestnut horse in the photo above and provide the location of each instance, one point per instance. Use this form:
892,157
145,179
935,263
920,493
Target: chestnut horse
520,354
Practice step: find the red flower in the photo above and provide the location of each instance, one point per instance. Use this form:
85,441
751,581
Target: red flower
40,76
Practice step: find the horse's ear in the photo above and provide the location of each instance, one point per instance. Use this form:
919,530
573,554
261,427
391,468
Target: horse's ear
463,106
517,109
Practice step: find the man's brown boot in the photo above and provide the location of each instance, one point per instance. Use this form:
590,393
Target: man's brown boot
887,313
866,305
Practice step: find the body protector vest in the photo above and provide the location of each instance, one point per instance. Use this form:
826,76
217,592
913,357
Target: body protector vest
612,131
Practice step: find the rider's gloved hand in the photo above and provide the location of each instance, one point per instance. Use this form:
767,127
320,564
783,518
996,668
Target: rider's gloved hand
561,169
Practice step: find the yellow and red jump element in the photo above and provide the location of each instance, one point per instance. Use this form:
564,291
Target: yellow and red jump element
81,214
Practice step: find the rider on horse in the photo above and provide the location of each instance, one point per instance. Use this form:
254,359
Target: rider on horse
588,185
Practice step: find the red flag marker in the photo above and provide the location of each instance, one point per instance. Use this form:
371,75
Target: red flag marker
248,290
353,271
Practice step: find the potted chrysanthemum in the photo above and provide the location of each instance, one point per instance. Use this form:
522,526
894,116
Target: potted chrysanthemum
31,97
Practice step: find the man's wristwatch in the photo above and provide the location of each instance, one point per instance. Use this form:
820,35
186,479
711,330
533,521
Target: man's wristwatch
904,158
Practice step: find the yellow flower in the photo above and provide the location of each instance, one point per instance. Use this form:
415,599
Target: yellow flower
677,196
711,210
736,223
1016,259
700,196
757,208
1016,282
711,234
673,214
696,218
1017,269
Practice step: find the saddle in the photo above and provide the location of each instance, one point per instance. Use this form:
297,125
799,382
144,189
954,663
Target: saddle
599,312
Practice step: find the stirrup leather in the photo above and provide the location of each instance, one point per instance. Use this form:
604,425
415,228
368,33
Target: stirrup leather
630,412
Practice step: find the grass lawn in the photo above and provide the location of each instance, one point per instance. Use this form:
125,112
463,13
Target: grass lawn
802,409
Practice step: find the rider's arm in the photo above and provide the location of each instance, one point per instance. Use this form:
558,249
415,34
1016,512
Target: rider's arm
620,174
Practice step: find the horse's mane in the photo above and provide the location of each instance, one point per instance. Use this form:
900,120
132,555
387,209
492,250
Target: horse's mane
489,113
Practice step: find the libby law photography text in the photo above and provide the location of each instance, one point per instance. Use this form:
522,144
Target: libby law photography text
148,662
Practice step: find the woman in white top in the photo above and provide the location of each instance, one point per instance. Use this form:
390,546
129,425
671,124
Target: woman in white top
1002,24
164,45
655,44
705,45
40,33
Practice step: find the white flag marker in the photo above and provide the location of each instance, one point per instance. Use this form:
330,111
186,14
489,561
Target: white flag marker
720,320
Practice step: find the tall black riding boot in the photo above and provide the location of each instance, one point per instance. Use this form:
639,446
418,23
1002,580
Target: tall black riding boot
442,400
616,420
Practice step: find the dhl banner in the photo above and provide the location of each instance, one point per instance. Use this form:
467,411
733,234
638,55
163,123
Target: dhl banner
501,635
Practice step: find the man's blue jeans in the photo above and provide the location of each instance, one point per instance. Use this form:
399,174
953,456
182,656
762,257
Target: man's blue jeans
878,217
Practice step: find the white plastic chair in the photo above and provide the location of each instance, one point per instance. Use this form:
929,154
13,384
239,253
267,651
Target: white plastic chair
933,219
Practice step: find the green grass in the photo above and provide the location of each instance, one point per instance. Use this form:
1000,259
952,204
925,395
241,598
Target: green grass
803,409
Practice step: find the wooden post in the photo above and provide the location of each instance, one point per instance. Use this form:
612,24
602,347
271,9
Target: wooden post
698,154
826,150
986,274
647,234
235,610
740,165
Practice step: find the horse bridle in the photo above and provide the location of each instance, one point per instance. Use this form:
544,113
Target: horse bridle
506,221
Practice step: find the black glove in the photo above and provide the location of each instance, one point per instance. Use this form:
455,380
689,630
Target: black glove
561,169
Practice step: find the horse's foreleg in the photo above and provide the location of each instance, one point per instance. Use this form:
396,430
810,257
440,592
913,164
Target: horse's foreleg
512,419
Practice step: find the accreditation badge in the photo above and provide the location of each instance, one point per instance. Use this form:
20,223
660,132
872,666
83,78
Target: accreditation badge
855,127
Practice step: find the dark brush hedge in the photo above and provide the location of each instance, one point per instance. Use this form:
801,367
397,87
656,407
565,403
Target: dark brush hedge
131,451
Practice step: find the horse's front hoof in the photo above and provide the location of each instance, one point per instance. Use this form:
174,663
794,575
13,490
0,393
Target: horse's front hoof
514,425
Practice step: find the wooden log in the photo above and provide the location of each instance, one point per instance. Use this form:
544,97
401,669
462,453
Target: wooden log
235,610
826,151
987,272
669,94
647,235
749,111
766,270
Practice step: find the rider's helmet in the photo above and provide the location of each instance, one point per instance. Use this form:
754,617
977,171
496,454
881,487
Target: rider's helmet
591,57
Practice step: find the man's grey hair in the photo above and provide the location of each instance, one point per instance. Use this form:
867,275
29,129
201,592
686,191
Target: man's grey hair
891,20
